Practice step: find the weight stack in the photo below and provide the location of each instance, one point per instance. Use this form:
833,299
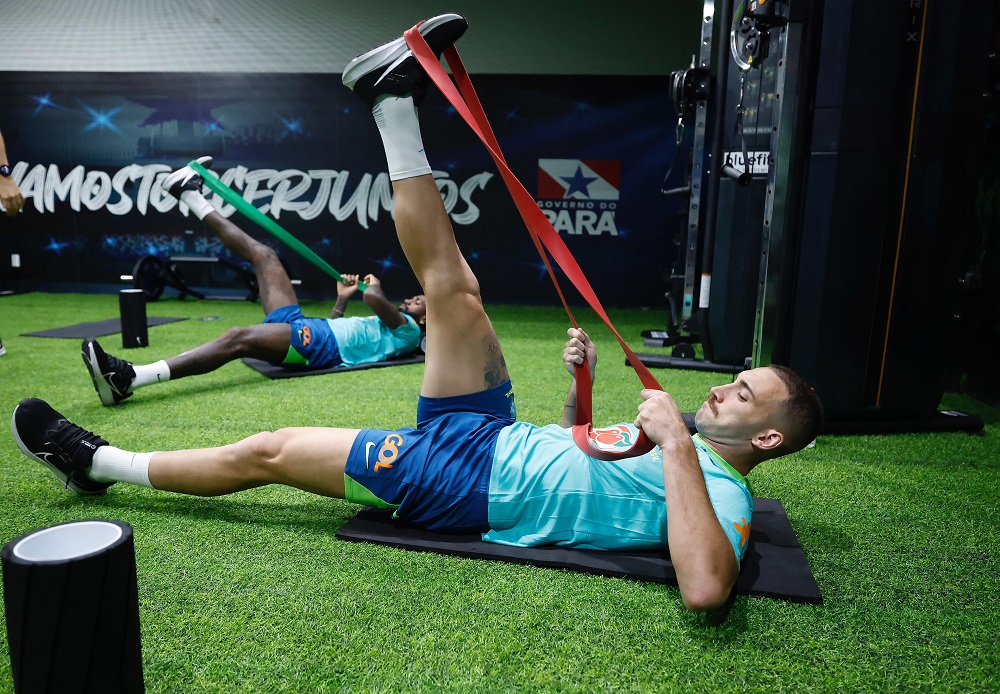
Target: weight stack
71,596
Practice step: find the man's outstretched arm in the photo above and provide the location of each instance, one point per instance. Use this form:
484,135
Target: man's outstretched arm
387,312
702,555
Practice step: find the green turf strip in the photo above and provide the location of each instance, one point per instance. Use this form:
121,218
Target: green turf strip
252,592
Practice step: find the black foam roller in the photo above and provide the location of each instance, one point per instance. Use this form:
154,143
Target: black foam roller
71,595
132,306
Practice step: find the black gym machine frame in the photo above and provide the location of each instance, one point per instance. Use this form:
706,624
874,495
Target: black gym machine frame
843,258
700,100
152,275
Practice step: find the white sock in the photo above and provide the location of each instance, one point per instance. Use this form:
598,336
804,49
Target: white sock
197,203
115,465
157,372
396,118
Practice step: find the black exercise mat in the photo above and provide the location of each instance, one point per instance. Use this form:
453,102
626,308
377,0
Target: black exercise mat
272,371
774,566
99,328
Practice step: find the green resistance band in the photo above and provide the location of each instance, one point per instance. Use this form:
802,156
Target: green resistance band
255,215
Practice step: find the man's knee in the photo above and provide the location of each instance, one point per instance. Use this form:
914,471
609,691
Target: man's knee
238,340
261,454
265,256
452,286
267,341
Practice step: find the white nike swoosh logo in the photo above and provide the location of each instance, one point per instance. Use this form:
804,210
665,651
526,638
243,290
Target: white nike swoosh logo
392,67
111,384
368,449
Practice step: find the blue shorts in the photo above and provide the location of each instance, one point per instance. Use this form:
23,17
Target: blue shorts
436,476
313,344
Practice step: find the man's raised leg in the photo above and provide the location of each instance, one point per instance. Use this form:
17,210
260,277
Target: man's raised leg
267,341
272,281
463,353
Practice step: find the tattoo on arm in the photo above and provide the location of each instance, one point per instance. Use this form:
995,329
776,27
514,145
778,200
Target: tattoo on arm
495,372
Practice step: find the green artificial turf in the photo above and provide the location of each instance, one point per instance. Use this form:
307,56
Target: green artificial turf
253,592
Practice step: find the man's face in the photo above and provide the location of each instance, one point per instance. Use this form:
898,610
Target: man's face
736,412
415,306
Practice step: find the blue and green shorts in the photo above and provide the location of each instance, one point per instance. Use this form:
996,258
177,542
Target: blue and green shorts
312,345
435,476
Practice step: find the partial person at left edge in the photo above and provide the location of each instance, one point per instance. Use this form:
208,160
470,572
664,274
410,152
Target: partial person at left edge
11,197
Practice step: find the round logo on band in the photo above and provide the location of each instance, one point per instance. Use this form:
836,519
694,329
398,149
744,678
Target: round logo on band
614,438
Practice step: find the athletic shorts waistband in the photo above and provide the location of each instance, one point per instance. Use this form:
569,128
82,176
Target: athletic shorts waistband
497,401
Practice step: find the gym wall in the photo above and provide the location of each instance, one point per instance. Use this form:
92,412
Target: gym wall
103,97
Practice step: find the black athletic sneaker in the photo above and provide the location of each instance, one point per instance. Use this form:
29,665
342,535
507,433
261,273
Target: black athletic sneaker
185,178
392,69
44,435
112,376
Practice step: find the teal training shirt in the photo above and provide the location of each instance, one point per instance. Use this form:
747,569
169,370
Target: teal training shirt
366,339
545,490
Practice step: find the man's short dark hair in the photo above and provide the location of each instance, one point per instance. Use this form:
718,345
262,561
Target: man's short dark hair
803,411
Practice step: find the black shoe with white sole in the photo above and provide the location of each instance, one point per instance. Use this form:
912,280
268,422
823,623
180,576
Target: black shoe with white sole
65,449
392,68
112,376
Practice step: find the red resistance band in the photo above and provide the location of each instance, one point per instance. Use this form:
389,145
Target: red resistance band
544,236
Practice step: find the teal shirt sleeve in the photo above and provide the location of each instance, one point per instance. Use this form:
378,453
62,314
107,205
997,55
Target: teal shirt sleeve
730,496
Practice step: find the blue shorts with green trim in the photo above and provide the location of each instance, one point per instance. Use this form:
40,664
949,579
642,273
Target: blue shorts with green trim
436,476
312,345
